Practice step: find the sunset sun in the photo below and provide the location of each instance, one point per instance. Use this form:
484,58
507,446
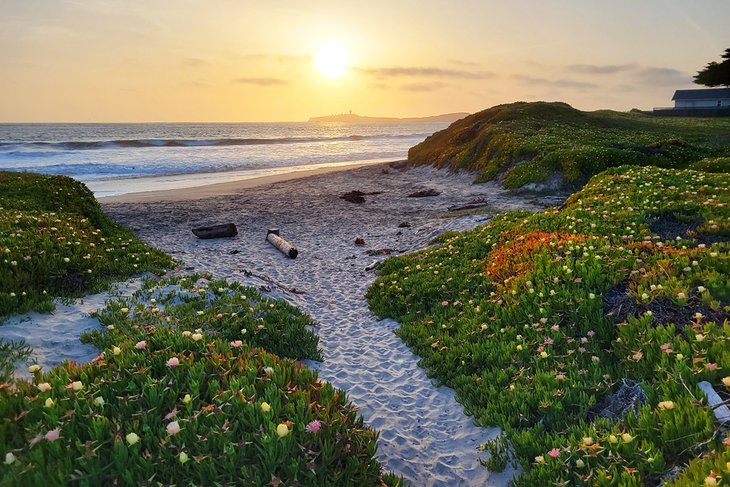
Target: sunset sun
331,61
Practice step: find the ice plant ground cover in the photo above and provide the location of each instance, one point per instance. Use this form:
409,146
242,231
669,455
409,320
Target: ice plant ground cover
536,319
56,242
182,393
522,143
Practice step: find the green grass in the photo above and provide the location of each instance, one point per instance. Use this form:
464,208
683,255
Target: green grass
514,316
524,143
56,242
183,395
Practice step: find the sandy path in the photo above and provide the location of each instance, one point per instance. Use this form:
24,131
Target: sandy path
425,435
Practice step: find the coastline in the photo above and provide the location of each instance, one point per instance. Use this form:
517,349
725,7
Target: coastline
232,187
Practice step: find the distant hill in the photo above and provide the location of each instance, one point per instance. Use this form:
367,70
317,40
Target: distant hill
521,143
353,118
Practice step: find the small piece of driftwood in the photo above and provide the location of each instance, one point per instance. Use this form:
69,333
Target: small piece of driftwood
216,231
273,237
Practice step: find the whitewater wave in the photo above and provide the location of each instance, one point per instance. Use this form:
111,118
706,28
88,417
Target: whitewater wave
156,143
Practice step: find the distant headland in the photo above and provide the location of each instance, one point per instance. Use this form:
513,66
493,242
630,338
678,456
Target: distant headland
354,118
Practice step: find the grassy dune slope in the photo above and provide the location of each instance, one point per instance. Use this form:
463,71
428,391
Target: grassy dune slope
56,241
536,319
524,143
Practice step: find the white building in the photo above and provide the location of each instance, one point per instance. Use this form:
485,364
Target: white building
707,98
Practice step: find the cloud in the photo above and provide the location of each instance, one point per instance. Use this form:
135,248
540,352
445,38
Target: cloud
280,58
555,83
663,77
423,86
193,62
601,69
261,81
424,72
461,62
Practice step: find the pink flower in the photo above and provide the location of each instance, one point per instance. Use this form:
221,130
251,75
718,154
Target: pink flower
26,258
173,362
664,346
591,333
549,341
35,440
711,366
53,434
555,453
581,350
140,345
555,327
314,426
583,340
173,428
236,343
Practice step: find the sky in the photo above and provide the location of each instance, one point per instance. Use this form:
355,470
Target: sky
240,60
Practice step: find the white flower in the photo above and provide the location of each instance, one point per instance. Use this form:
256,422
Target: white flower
9,458
132,438
99,401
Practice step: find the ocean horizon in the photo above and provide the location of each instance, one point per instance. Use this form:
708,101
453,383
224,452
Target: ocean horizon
120,158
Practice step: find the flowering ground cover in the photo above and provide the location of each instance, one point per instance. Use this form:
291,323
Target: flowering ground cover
183,394
537,320
522,143
56,242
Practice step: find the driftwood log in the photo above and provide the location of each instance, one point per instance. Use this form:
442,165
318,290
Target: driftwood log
273,237
216,231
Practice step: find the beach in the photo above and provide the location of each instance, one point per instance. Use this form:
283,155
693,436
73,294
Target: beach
424,433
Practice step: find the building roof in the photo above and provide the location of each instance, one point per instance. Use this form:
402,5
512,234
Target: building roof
706,94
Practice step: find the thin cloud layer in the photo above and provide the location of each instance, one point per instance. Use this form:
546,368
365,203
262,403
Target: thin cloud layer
424,72
555,83
261,81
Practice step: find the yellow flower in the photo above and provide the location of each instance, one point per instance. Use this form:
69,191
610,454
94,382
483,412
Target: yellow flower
197,336
587,440
34,368
265,408
116,350
544,354
664,405
125,310
699,337
710,481
627,438
77,385
201,313
183,457
540,459
726,381
282,430
132,438
187,399
49,402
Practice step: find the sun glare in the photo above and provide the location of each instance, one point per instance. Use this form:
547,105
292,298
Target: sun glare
331,61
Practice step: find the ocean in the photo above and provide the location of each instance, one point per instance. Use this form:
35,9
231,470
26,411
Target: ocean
114,159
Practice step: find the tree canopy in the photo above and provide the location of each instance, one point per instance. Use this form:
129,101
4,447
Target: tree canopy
715,74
